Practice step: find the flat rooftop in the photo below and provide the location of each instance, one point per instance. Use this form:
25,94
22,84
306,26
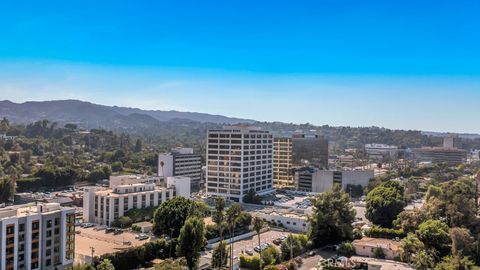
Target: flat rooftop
30,209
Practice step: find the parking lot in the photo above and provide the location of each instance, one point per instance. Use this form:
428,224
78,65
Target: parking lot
251,242
102,242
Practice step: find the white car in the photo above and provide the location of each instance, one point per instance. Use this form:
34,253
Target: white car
142,236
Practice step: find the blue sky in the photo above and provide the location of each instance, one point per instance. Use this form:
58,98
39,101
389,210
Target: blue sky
398,64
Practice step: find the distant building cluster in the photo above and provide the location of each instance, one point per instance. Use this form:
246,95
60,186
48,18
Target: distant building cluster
447,153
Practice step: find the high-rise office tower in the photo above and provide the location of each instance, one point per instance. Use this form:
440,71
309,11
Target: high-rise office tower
239,158
181,162
282,163
310,150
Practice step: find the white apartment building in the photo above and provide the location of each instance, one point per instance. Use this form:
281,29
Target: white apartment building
315,180
239,158
37,236
105,205
181,162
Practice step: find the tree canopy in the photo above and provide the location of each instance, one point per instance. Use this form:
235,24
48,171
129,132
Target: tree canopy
332,217
384,203
172,214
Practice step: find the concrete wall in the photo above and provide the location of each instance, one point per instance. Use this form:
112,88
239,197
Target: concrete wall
182,185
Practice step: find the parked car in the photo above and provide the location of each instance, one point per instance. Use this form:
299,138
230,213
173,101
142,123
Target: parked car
249,252
117,231
141,236
109,230
312,253
277,241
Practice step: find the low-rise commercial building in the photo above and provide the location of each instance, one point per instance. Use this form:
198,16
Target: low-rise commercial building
447,153
450,156
377,151
37,236
310,179
105,205
292,219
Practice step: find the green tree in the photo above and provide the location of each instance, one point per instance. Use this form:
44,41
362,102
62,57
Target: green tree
117,166
7,189
252,197
293,245
346,249
332,217
409,246
257,226
455,262
270,256
232,216
384,203
409,220
138,145
434,234
220,255
423,260
455,202
123,222
171,215
355,191
191,241
106,264
462,241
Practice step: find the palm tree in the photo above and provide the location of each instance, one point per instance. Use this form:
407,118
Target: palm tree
257,226
232,217
219,219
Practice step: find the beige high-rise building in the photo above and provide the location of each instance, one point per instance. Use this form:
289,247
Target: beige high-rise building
282,163
239,158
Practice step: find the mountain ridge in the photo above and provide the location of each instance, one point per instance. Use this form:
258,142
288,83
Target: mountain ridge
91,115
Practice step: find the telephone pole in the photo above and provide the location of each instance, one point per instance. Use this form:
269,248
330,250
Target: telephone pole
93,251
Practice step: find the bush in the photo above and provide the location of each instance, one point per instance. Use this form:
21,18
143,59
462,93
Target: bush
378,253
122,222
377,232
250,262
271,256
270,267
